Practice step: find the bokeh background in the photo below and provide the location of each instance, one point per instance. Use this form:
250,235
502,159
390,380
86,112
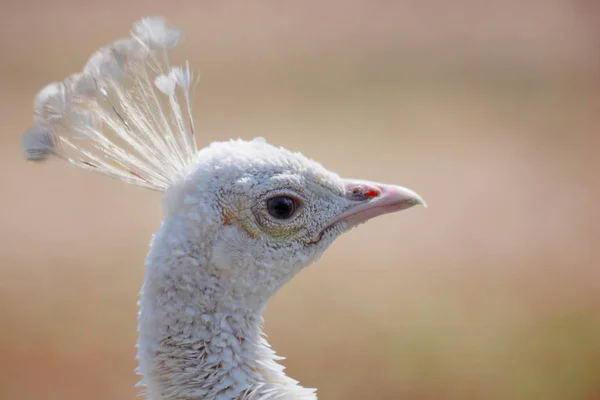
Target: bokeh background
489,109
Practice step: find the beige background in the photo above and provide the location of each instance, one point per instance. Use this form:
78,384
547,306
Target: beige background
490,110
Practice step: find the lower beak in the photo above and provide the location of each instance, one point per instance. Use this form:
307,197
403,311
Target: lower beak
367,200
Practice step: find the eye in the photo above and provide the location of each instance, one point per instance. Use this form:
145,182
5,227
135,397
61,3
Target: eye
281,207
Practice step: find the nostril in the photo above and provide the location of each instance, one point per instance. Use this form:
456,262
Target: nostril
360,191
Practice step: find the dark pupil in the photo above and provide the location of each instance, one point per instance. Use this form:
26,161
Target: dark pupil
281,207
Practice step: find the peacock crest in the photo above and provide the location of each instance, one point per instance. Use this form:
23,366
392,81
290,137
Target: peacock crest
126,115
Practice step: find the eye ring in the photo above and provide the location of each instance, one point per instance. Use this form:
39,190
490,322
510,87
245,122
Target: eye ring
282,207
279,227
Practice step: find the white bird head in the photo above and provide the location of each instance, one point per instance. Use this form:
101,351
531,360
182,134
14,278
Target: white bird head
270,212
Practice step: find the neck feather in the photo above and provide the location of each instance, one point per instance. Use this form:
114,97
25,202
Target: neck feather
194,345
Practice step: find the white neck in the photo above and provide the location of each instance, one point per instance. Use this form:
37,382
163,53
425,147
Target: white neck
195,345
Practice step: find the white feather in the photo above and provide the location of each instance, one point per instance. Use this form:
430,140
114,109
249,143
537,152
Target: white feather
156,33
51,104
110,117
165,84
38,143
82,86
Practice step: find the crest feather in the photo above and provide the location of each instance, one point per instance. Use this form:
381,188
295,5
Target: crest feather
126,115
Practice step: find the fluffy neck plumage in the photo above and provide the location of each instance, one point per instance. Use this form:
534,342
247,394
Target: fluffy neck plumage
195,340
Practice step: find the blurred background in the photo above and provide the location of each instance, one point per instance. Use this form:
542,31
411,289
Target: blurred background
490,110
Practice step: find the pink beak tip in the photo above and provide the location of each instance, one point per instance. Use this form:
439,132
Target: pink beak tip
399,194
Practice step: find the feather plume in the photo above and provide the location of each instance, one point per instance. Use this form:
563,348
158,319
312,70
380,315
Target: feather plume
126,115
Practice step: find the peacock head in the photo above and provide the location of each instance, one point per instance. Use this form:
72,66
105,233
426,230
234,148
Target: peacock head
257,214
270,212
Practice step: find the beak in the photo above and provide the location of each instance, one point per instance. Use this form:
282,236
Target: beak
367,200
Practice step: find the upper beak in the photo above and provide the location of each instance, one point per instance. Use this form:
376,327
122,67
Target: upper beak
367,200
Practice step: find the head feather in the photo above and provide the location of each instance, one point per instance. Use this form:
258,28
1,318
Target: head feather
126,115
